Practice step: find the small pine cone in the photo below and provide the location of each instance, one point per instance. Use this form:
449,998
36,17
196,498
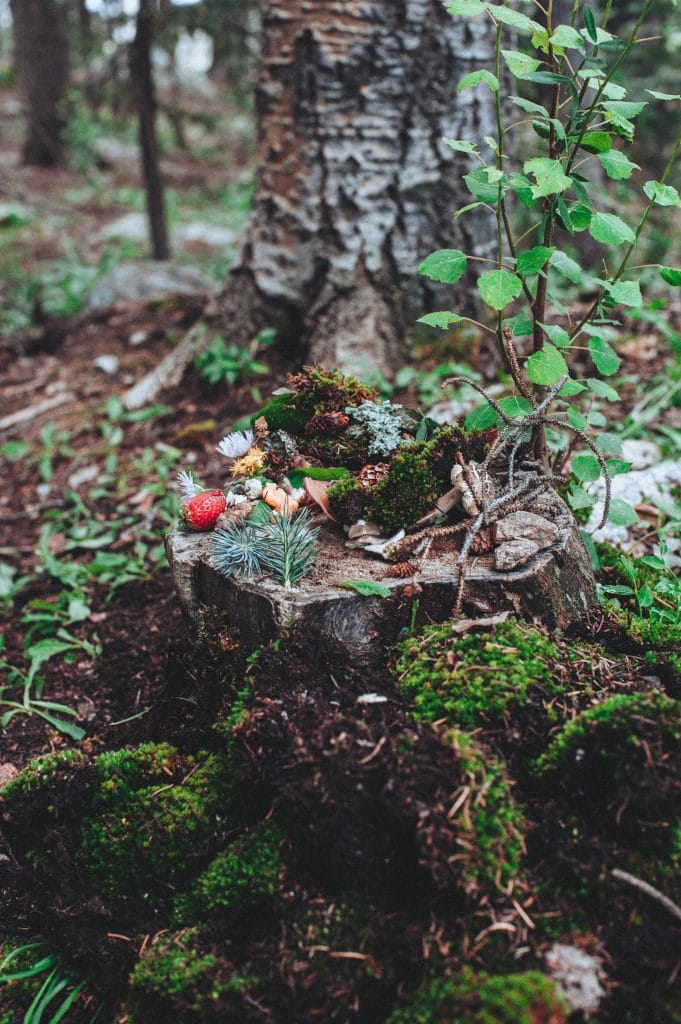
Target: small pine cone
401,570
327,423
370,475
483,542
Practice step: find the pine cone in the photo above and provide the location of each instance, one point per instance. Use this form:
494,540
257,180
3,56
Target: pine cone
401,570
370,475
327,423
483,542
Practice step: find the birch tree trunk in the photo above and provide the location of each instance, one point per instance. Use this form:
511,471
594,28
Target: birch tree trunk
354,186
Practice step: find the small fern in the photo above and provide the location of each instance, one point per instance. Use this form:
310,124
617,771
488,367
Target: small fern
289,547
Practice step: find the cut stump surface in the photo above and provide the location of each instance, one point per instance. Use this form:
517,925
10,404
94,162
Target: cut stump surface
555,586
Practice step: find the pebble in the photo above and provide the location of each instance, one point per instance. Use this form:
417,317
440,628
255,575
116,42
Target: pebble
107,364
578,975
513,553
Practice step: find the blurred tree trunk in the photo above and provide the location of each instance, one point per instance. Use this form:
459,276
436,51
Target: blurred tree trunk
41,59
142,76
354,186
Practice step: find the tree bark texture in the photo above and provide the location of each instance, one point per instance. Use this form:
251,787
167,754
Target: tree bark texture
142,76
354,185
42,64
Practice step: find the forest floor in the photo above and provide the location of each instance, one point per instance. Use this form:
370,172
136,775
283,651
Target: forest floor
95,654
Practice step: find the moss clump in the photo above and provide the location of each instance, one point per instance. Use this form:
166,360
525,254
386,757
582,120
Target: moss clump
612,743
329,390
241,884
409,489
477,678
471,998
41,775
285,412
178,974
348,501
150,816
451,441
491,840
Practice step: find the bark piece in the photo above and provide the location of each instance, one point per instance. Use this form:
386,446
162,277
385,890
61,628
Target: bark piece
513,553
556,586
526,526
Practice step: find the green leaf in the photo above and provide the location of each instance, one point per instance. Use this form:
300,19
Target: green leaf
367,588
663,95
625,108
296,476
441,319
548,78
605,359
521,325
532,260
460,145
621,513
612,91
603,390
616,165
566,266
514,406
513,18
671,275
465,8
529,107
558,335
616,467
586,468
546,366
481,418
444,265
464,209
577,419
625,293
578,498
549,175
570,388
580,216
590,24
597,142
478,184
610,229
520,64
499,287
481,76
568,37
662,195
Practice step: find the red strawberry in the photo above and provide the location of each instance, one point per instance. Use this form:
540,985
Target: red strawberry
202,511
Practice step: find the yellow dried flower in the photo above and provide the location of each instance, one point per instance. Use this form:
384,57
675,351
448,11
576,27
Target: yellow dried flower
250,464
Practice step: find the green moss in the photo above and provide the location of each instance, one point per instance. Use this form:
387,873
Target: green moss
149,819
611,743
41,775
476,678
286,412
447,443
409,490
242,882
348,501
177,972
330,390
471,998
491,841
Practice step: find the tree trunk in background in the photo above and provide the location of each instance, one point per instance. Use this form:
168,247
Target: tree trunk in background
42,64
354,187
143,83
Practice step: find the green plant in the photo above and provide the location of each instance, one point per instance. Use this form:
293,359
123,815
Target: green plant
654,588
52,987
231,364
586,115
409,489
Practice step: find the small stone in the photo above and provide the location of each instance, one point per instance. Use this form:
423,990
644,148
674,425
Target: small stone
107,364
9,772
526,526
514,553
641,454
138,338
253,489
371,698
578,975
81,476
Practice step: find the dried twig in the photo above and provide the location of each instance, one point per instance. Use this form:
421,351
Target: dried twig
645,887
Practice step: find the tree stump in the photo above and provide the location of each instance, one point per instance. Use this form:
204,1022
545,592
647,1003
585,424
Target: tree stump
554,586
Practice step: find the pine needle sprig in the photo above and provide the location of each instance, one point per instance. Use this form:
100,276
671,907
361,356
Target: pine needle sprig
289,547
238,550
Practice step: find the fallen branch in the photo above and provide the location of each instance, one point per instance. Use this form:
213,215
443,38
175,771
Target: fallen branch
33,411
645,887
170,370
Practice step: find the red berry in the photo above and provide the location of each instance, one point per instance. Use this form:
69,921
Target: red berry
202,511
